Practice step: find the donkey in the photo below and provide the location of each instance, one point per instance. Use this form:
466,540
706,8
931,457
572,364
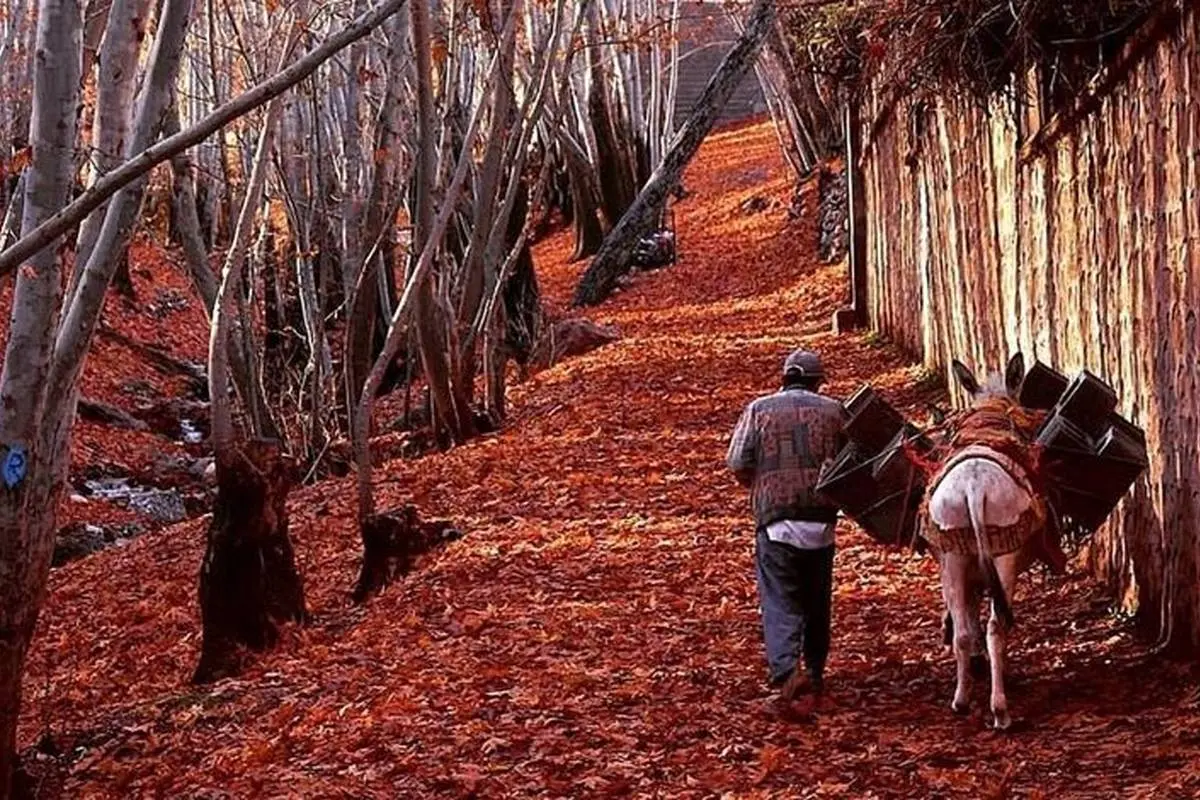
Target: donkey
983,492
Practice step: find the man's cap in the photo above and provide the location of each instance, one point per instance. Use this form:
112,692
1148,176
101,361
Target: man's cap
803,363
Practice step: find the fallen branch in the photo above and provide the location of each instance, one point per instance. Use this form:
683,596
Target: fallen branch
105,414
156,356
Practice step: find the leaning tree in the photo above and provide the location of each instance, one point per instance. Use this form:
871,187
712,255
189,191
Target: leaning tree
645,213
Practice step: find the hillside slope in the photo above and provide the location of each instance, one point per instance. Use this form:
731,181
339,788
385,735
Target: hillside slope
595,633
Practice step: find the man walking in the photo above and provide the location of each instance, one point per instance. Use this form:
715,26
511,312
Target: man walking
778,448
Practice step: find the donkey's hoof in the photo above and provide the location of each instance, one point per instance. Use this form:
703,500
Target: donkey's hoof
979,666
960,707
1001,720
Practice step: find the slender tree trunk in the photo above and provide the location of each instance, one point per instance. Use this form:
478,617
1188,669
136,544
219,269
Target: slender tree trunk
216,72
616,255
10,225
485,208
351,191
248,581
431,332
114,98
672,80
18,77
617,183
87,301
368,297
495,361
522,298
186,224
589,224
95,20
318,366
275,358
28,508
373,570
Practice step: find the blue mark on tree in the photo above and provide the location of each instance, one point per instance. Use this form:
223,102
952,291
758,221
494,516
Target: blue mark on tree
16,464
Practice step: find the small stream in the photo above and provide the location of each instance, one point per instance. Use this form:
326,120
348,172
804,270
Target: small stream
190,432
161,505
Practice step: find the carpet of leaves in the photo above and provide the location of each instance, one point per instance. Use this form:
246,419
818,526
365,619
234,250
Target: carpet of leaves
165,313
596,632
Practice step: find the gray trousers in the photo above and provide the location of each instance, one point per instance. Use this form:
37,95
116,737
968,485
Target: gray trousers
795,593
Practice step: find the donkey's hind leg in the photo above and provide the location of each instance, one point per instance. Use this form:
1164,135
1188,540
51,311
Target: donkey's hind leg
997,641
979,660
955,591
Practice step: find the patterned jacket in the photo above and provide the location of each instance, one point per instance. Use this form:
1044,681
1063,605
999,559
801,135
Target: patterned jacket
779,446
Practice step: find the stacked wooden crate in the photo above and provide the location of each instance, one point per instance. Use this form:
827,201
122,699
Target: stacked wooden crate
872,480
1091,455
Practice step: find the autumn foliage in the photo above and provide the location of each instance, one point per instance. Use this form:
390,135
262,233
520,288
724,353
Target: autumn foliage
594,633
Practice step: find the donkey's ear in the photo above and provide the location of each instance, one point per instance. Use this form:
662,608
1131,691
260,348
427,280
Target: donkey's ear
936,415
966,378
1014,373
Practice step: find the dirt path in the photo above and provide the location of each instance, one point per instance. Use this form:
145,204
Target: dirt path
596,632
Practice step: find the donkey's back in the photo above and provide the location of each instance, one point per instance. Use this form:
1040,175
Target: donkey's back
984,513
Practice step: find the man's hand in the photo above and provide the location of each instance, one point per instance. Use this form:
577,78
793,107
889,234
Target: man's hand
745,477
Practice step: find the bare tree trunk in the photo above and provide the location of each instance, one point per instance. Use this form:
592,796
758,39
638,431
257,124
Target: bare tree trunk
588,227
223,435
374,549
87,301
495,361
616,255
95,20
351,194
318,366
115,87
225,218
186,224
485,209
274,355
248,582
672,80
522,306
10,226
28,507
366,288
431,332
15,81
822,123
618,186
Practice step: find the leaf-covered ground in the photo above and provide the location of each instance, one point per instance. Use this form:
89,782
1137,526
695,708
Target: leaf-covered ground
596,632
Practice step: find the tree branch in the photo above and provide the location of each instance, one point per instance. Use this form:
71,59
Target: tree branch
45,234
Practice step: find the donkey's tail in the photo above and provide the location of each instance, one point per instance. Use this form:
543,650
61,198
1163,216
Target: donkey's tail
976,503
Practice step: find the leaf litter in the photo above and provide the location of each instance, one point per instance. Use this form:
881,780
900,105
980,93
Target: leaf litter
596,632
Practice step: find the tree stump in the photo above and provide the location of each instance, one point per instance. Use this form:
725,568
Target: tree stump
392,543
248,582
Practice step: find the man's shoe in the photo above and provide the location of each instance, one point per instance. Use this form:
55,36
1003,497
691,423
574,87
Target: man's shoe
800,683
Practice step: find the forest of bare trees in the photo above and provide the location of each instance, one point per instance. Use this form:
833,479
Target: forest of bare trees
378,228
353,189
